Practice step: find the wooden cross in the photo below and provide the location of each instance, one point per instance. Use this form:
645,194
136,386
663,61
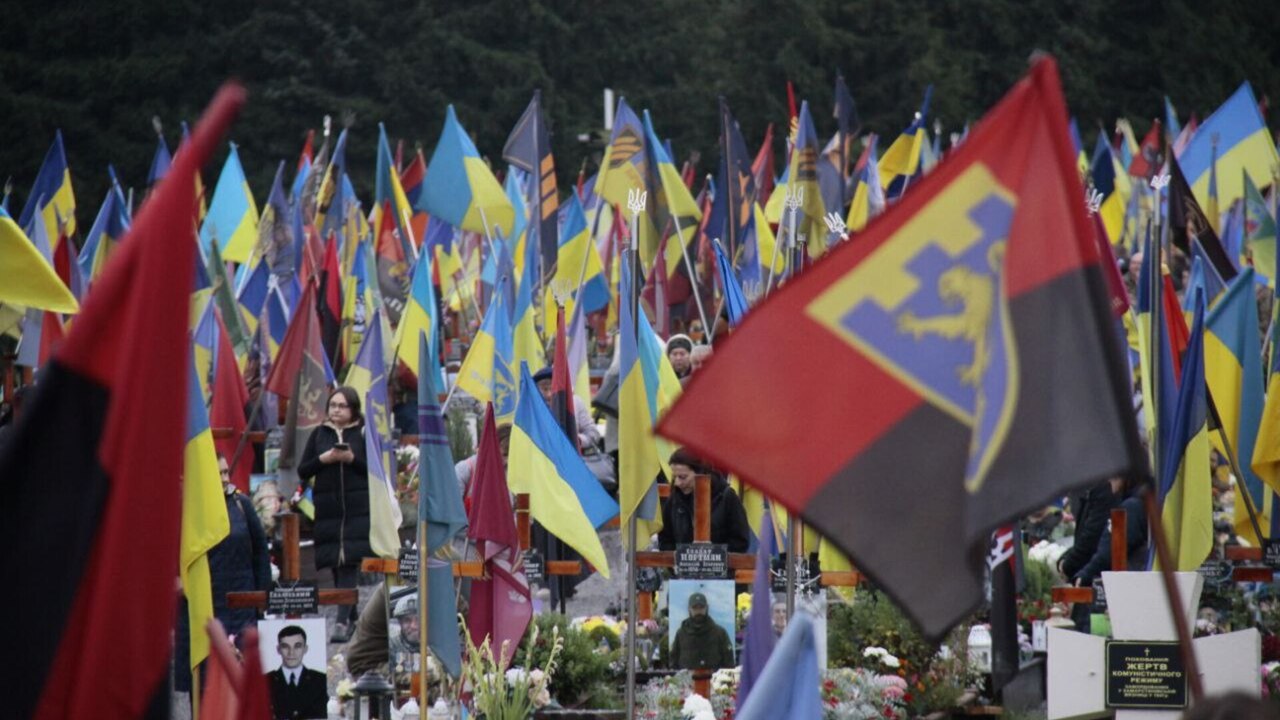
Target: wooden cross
742,564
1120,562
475,568
290,571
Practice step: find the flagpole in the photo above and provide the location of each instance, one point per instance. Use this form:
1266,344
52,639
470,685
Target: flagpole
791,564
693,278
636,203
425,388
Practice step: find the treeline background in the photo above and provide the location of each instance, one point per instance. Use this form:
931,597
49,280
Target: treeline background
101,70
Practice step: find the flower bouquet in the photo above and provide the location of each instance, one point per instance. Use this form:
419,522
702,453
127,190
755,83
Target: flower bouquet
516,693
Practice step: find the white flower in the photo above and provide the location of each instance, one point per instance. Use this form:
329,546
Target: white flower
542,699
516,675
695,704
889,660
536,676
705,715
874,652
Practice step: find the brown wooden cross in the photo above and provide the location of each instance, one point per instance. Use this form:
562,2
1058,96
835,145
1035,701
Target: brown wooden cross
290,571
1120,562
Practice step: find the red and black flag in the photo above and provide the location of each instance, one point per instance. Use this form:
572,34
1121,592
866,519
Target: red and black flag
1187,223
955,368
329,303
561,387
91,520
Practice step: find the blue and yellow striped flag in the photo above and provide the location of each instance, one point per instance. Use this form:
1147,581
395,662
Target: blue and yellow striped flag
460,188
51,198
233,214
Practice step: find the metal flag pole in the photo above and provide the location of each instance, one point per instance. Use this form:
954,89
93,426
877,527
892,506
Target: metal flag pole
794,197
791,563
635,203
693,277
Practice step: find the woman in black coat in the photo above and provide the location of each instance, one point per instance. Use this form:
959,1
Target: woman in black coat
335,458
728,517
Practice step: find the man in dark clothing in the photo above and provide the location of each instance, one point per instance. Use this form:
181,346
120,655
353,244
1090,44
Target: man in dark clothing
700,643
297,691
728,518
1092,508
1136,548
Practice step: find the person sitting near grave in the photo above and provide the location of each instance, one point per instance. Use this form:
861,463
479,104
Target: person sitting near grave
1128,494
1092,508
728,518
700,643
679,348
335,458
297,691
239,563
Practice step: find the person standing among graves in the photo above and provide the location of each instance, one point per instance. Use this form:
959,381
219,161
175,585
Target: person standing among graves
700,643
1126,492
240,563
728,518
335,458
1092,510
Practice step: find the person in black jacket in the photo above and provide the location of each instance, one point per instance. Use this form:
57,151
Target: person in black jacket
335,457
728,518
1092,509
237,564
1136,549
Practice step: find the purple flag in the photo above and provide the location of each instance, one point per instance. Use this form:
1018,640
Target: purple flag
758,641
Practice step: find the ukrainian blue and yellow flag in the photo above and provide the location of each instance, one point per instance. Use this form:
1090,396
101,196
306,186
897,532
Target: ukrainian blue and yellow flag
26,277
672,201
233,214
1186,490
759,251
802,175
368,377
160,162
420,314
51,198
579,259
486,370
1266,450
252,296
1243,146
901,162
1259,231
107,230
204,522
329,196
527,345
390,202
626,168
868,197
460,188
1233,370
647,386
1112,182
563,493
735,302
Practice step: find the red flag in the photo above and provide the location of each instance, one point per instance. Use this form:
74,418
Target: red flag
762,168
220,695
307,155
1147,161
230,397
979,370
411,180
1110,269
255,698
500,605
561,387
655,295
97,454
51,335
329,304
303,328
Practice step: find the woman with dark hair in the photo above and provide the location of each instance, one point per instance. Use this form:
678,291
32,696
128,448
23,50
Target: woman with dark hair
335,458
728,517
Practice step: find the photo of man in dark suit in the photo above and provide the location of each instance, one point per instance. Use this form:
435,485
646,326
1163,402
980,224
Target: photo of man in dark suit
297,692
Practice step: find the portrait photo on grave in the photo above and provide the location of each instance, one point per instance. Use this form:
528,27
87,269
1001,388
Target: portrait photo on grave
404,653
701,628
295,651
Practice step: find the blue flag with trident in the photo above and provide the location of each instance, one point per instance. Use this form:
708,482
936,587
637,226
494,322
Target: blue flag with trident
440,508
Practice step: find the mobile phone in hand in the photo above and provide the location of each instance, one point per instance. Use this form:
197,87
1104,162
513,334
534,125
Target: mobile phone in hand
342,447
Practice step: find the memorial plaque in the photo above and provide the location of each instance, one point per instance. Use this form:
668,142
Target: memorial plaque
534,567
1099,597
1271,554
293,599
702,561
1145,675
1216,573
409,565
